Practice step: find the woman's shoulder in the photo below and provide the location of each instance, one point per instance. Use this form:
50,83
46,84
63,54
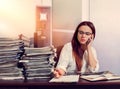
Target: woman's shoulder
67,44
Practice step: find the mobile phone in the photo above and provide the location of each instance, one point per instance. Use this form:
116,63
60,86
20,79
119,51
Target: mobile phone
88,41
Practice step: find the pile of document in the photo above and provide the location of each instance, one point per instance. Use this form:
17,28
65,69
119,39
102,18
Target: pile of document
9,50
18,60
39,62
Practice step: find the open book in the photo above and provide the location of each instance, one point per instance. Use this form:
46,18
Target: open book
106,75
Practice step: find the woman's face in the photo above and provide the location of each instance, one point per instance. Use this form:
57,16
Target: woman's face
84,33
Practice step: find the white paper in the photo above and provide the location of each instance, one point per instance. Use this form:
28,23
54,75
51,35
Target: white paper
105,76
11,78
66,78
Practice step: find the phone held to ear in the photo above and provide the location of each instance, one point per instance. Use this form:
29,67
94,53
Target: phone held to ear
89,40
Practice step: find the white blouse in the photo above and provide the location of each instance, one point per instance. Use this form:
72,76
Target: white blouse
68,64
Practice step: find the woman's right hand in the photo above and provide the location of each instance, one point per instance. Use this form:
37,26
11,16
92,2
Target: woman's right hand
58,73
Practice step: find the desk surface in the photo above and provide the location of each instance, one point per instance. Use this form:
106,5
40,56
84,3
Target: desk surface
82,84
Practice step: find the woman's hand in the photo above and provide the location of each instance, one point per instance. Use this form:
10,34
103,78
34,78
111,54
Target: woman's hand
58,73
89,42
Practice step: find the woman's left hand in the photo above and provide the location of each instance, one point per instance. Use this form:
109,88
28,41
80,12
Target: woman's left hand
89,42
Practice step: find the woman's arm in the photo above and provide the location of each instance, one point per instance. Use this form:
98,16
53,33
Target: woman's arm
62,62
92,57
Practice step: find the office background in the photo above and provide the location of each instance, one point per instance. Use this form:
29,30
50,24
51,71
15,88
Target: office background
18,16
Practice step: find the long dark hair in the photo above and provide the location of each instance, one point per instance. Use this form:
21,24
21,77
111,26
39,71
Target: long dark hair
76,46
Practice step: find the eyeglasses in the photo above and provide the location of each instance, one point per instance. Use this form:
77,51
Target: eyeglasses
86,33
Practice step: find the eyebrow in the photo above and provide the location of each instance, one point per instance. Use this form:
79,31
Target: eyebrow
84,31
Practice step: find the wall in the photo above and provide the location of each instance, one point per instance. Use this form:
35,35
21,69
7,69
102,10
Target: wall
106,16
19,16
66,16
16,17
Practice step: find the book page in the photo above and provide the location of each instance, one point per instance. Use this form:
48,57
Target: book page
93,77
66,78
111,76
98,77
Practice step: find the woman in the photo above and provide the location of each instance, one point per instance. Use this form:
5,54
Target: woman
78,55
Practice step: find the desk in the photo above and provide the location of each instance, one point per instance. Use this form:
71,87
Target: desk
38,84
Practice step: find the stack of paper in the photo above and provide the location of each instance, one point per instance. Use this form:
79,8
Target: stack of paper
19,61
8,62
39,62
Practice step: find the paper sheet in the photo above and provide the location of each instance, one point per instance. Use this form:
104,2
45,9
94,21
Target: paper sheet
66,78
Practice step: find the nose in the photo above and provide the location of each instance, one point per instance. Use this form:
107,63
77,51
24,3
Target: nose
83,35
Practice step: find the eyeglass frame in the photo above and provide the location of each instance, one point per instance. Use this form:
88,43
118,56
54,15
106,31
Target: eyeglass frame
86,33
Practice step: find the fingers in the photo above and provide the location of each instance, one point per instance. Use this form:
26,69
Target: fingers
58,73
